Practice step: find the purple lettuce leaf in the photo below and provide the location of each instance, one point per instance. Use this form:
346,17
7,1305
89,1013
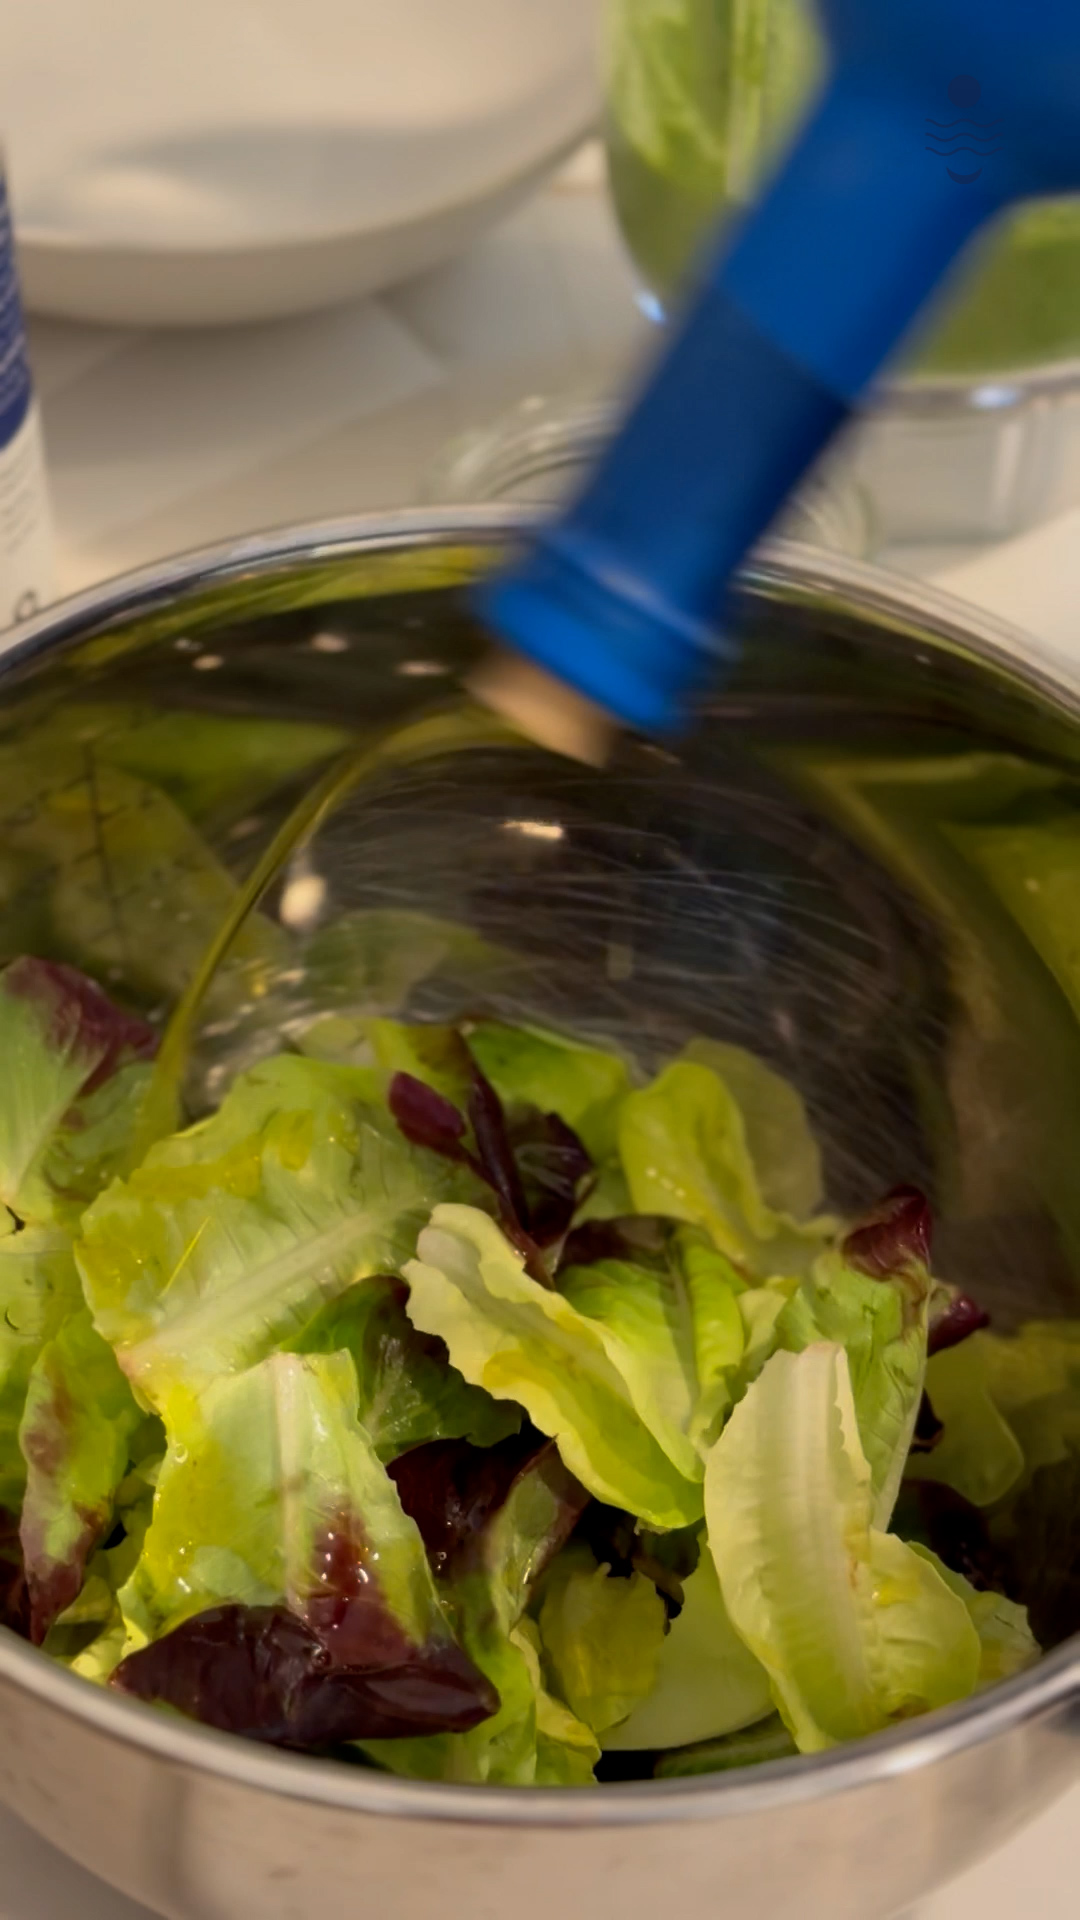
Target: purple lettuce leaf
534,1164
894,1235
428,1119
961,1318
14,1595
643,1239
503,1510
264,1673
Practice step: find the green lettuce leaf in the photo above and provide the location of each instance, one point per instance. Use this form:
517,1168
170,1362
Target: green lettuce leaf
507,1333
601,1637
708,1683
854,1628
409,1392
1007,1644
79,1419
978,1454
781,1144
223,1245
675,1333
209,763
755,1747
567,1749
532,1741
74,1077
684,1151
582,1084
1010,1405
882,1325
123,885
1033,1378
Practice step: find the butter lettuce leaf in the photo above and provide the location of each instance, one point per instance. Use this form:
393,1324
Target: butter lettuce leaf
410,1395
522,1341
708,1683
1009,1404
855,1629
674,1331
882,1325
683,1145
780,1141
1006,1642
978,1454
602,1637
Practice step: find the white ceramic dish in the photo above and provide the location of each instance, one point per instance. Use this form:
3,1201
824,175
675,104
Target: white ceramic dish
243,159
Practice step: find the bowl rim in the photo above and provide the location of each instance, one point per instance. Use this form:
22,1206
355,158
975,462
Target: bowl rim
802,573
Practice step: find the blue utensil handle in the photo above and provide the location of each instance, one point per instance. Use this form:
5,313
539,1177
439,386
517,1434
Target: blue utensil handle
622,596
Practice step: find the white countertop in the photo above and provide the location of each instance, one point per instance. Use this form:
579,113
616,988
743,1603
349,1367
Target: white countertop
163,441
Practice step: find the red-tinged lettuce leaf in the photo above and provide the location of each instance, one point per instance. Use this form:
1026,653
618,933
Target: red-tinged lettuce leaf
436,1056
77,1020
265,1674
61,1040
492,1524
895,1235
78,1422
960,1318
39,1288
471,1504
14,1598
409,1392
530,1067
272,1502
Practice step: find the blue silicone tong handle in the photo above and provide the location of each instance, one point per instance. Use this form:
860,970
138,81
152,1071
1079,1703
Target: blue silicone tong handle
623,596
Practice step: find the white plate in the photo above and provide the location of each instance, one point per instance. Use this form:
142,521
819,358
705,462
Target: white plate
226,160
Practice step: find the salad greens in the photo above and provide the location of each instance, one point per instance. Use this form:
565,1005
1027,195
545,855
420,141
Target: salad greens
459,1400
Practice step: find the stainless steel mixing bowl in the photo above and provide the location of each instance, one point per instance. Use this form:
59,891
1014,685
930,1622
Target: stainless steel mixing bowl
809,873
